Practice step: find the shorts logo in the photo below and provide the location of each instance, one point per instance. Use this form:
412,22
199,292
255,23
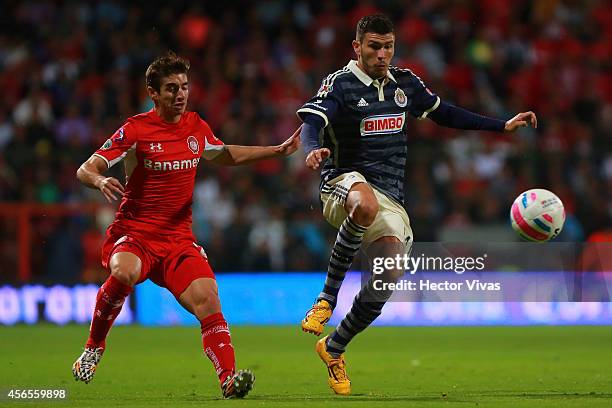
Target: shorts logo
107,145
193,145
382,124
201,248
400,98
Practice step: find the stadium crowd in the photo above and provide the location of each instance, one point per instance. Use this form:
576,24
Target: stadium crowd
72,72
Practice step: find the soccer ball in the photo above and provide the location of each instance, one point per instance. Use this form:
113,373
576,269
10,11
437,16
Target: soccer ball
537,215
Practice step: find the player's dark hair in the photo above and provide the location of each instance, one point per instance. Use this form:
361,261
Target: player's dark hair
169,64
375,23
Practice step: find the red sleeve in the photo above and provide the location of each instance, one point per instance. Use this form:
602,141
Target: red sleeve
213,146
119,144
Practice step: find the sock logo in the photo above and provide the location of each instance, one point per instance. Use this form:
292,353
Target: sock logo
213,357
217,329
221,345
107,298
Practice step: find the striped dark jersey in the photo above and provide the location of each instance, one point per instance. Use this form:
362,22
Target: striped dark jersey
365,124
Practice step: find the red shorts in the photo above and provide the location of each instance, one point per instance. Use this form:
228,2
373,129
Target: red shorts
170,262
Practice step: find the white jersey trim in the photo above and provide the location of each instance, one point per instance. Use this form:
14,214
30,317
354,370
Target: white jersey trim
116,160
211,151
103,158
362,76
433,108
316,112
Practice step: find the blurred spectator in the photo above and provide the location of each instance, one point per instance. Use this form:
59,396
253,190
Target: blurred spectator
34,109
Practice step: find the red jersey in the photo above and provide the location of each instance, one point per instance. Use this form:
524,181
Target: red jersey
161,160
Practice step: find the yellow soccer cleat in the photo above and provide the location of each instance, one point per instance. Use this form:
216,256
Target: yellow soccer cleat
317,317
337,379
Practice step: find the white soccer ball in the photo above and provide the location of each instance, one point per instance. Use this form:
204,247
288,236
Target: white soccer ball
537,215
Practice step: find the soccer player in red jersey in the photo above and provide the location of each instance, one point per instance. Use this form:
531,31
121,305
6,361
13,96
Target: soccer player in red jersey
151,235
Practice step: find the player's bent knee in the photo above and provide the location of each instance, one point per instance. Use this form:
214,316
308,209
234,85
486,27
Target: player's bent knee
126,267
364,213
206,305
201,298
128,276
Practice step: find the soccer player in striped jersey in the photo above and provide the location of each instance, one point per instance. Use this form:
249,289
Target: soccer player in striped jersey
354,127
151,235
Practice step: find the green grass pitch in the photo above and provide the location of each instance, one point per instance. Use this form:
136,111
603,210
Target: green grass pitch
390,367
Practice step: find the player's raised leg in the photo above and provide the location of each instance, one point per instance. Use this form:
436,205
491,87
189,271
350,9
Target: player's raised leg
202,300
125,270
361,206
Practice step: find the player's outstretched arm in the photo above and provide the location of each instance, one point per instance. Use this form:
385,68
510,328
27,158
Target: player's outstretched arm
455,117
235,155
90,174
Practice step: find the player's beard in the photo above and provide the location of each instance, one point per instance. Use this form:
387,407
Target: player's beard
377,72
372,70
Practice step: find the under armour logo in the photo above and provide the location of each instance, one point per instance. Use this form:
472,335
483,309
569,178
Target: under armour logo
156,147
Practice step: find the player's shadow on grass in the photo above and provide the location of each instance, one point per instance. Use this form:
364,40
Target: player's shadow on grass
351,398
550,394
466,397
334,398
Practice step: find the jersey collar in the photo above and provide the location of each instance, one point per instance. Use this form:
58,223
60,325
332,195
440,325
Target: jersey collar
362,76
